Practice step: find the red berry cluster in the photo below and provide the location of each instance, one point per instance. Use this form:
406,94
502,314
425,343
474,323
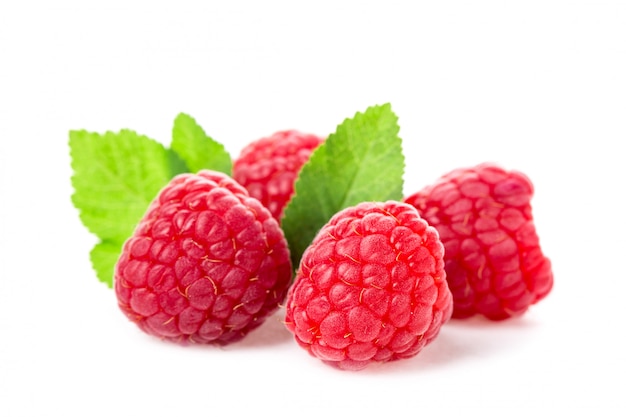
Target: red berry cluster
209,262
494,263
206,264
371,287
268,167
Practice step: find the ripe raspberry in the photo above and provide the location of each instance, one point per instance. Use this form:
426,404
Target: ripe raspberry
268,167
370,288
494,263
206,264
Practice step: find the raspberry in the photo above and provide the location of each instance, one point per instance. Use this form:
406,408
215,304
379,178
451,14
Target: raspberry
206,264
371,287
494,264
268,167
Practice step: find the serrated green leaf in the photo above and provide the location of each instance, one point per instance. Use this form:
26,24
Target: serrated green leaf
103,256
176,163
361,161
196,148
115,177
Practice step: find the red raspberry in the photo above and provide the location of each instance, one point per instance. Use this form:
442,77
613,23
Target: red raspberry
370,288
494,263
206,264
268,167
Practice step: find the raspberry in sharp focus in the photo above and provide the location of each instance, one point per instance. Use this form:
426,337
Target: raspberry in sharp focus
494,264
206,264
371,287
268,167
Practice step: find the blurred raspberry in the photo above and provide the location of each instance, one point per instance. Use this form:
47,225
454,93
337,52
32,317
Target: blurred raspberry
268,167
494,263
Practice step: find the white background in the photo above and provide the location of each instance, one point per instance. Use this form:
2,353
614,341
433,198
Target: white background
538,86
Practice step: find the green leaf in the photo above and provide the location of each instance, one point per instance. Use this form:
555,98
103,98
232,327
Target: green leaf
176,163
361,161
198,150
115,177
104,256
